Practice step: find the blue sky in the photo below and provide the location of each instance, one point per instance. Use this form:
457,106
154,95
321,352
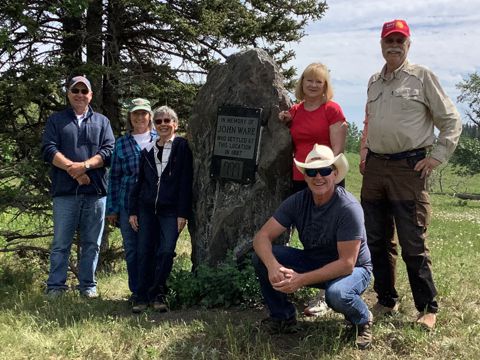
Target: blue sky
445,37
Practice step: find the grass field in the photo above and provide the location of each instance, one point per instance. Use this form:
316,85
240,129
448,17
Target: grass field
32,327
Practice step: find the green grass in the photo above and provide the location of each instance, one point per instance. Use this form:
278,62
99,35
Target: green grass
32,327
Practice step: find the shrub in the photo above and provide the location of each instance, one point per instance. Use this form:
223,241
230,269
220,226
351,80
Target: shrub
226,285
466,158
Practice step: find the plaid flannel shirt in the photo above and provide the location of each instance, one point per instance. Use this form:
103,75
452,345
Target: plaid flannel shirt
123,172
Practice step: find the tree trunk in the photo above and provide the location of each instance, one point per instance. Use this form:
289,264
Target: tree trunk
467,196
111,105
94,50
72,45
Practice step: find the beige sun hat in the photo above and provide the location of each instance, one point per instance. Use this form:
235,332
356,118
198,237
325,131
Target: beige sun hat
322,156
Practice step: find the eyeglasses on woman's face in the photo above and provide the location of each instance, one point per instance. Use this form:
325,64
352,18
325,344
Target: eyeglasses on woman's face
162,121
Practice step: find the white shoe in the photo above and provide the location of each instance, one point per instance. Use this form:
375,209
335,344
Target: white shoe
317,306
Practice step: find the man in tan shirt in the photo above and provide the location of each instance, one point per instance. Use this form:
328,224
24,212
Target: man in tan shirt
399,151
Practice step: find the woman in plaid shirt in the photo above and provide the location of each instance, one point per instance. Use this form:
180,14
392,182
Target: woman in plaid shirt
123,175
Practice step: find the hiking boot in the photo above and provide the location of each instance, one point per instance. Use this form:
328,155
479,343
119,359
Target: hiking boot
364,334
139,307
89,294
427,320
132,299
380,310
317,306
277,326
159,305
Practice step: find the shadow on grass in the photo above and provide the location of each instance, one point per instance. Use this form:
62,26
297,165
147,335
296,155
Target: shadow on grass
228,333
192,333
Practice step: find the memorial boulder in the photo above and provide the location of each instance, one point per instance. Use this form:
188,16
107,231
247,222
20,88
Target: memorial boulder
242,155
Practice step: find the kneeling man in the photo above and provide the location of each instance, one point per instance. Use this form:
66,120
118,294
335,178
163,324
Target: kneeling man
335,256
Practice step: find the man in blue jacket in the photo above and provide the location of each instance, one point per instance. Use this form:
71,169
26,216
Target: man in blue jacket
78,142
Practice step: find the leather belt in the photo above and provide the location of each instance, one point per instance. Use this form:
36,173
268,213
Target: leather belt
400,155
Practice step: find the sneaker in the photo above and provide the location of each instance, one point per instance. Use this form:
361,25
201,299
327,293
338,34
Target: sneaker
89,294
380,310
364,334
276,326
317,306
139,307
427,320
55,293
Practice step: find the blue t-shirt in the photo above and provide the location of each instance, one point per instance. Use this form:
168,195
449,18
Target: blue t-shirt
321,227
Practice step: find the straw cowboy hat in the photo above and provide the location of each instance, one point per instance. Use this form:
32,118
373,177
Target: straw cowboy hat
322,156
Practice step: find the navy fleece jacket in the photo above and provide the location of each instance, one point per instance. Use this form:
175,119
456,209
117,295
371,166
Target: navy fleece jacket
78,143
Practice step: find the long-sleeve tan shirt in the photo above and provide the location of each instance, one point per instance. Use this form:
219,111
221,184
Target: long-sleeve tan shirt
403,110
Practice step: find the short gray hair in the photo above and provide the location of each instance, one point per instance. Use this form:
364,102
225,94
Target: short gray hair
164,109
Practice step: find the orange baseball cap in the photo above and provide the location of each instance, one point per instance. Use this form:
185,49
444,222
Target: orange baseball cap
395,26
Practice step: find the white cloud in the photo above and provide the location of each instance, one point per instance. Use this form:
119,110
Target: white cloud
445,35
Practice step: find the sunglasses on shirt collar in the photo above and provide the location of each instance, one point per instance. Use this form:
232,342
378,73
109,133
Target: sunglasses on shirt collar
325,171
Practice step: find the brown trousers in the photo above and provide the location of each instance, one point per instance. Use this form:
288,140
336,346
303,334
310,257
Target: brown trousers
394,196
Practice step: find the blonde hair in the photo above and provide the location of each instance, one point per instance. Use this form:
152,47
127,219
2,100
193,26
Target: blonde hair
318,70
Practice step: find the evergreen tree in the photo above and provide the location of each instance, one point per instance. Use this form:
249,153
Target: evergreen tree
161,50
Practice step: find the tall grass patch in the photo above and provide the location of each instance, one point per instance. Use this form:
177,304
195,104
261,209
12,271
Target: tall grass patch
200,326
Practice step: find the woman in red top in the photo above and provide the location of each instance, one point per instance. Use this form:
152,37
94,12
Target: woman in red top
316,119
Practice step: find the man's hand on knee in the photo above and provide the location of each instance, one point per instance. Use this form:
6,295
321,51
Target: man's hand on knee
275,274
291,282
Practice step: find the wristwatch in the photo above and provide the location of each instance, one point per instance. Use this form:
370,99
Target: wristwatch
87,165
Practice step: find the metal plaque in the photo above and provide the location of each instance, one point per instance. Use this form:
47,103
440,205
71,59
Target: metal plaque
237,138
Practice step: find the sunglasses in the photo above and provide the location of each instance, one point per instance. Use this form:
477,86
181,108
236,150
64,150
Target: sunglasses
325,171
76,91
399,41
162,121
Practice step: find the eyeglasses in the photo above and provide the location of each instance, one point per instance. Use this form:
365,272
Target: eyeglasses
76,91
325,171
162,121
399,41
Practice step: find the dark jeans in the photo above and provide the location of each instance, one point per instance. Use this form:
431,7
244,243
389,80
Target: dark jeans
342,294
394,193
130,243
157,239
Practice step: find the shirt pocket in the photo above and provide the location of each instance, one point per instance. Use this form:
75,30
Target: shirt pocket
407,98
90,137
373,102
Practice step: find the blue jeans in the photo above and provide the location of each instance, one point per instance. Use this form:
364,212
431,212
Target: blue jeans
342,294
87,214
157,239
130,243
